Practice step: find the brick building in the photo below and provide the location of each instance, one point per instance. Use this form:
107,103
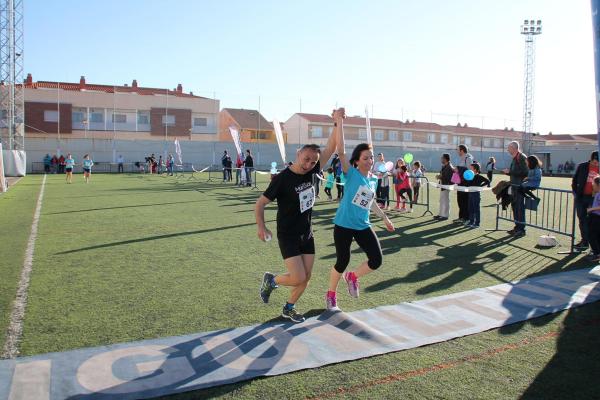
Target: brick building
316,128
80,110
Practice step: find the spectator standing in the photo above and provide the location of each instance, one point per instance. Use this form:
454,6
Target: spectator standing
582,186
464,163
518,171
47,163
249,167
444,177
120,162
489,167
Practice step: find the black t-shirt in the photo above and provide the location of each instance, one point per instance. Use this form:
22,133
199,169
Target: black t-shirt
295,195
478,180
249,162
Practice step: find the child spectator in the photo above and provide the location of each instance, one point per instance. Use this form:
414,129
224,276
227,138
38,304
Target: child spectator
444,178
534,177
475,197
417,173
385,191
329,183
402,187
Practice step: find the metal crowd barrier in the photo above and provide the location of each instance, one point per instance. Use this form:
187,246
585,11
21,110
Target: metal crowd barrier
555,213
424,186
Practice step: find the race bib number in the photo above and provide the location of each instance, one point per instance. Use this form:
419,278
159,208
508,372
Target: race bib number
363,197
307,199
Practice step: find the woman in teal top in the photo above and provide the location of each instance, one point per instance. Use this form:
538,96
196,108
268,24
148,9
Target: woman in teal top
352,217
69,164
87,167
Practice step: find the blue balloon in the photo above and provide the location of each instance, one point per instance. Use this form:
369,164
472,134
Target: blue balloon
382,168
273,164
469,175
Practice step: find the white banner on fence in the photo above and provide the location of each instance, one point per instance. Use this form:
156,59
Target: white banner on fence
279,136
235,135
460,188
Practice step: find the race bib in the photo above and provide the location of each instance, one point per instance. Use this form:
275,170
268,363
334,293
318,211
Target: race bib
363,197
307,199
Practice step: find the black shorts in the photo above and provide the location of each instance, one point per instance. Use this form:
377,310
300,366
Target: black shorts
69,169
87,170
295,245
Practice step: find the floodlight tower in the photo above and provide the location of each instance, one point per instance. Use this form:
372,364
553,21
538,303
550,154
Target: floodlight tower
530,28
12,99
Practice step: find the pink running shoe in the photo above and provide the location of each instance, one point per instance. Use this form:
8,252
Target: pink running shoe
331,302
352,281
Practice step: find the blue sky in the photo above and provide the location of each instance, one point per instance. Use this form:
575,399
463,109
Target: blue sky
424,60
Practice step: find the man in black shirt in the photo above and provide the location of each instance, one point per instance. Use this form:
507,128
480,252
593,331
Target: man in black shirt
249,166
293,188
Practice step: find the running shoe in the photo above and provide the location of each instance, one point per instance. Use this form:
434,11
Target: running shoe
292,315
266,288
352,281
331,302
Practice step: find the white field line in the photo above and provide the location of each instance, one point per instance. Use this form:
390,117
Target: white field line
15,327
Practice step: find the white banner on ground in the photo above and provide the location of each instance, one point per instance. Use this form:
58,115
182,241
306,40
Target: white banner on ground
279,136
235,135
3,186
369,138
160,367
459,188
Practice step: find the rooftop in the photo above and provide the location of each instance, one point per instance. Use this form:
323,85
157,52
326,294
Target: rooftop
84,86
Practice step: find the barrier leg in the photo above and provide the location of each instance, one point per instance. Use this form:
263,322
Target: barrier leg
428,210
254,187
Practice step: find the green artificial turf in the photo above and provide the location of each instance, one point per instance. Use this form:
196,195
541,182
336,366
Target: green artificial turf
17,207
130,257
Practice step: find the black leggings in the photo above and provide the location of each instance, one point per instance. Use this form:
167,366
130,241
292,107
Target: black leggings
408,191
366,239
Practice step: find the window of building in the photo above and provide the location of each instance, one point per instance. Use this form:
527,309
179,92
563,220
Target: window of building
468,140
119,118
316,131
330,130
362,134
143,118
407,136
379,134
168,120
77,117
393,135
50,116
96,117
444,138
456,140
497,142
487,142
431,138
200,121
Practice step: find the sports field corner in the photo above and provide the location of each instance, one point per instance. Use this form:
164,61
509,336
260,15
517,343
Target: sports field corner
133,257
